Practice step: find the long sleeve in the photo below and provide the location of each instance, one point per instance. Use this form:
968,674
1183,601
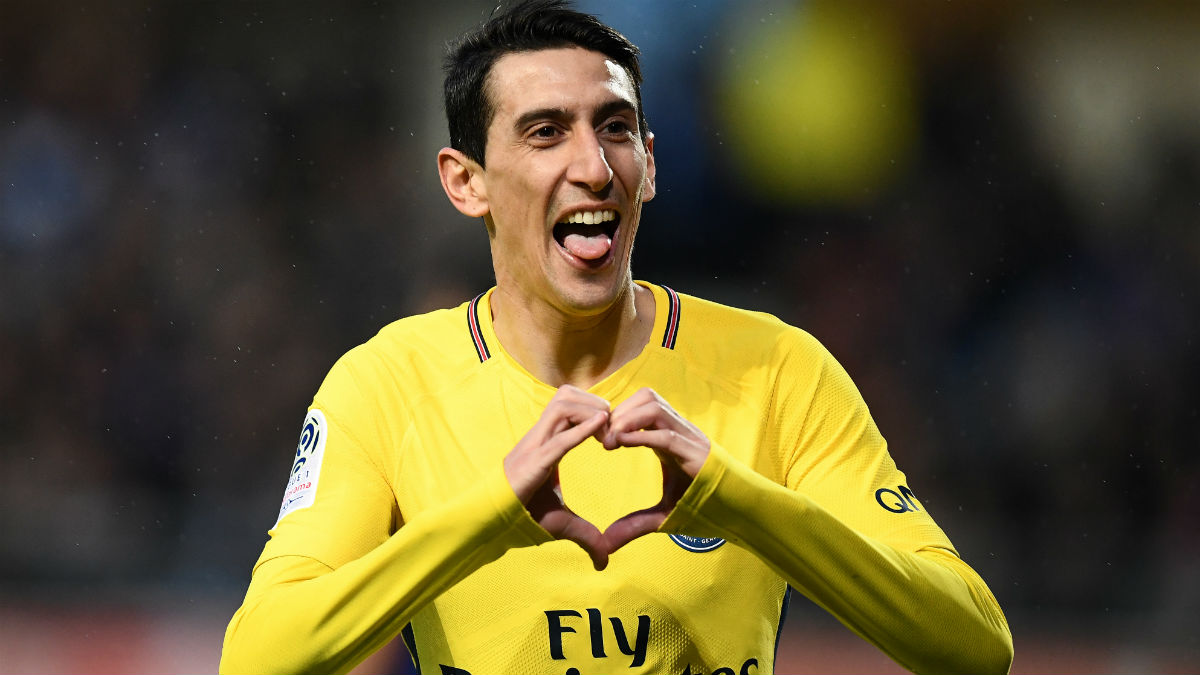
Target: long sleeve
824,504
926,609
300,615
346,568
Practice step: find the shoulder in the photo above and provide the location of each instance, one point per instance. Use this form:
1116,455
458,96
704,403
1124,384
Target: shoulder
707,329
440,336
414,353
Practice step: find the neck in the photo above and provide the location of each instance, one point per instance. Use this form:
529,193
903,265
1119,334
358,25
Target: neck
560,348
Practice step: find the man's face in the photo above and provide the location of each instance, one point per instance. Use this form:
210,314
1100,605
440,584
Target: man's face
566,176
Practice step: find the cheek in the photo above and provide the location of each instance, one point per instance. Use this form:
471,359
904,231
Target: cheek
520,241
635,171
524,195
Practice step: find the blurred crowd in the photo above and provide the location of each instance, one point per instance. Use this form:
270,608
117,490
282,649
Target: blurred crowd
990,214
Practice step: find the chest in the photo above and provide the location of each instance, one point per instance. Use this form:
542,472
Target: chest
662,604
458,438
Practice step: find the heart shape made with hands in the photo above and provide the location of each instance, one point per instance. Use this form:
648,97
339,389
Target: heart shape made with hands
572,416
551,508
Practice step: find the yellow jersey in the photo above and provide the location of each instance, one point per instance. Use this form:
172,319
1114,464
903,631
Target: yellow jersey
397,517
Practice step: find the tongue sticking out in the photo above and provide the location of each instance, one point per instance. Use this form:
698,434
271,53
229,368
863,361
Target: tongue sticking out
587,246
586,241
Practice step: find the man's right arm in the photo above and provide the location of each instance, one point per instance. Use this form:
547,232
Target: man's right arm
301,615
333,586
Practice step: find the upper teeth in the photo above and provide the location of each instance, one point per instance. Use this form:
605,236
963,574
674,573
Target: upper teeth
592,217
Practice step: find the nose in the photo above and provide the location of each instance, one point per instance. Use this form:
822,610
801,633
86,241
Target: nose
589,166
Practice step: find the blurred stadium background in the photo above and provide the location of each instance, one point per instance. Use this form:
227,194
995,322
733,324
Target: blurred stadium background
989,211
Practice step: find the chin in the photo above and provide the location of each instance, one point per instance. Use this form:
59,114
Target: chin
593,298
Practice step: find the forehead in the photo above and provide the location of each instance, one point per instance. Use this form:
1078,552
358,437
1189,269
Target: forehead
566,78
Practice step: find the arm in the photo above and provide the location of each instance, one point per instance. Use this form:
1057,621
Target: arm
302,615
335,583
926,609
892,578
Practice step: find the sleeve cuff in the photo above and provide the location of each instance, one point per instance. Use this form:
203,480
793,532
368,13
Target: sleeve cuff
517,522
730,500
686,517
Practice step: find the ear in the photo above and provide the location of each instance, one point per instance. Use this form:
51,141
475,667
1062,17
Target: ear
649,191
462,180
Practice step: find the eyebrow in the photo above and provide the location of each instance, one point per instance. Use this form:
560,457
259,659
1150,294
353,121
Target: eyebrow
616,105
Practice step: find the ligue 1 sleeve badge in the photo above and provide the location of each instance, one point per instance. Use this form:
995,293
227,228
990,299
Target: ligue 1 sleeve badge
697,544
306,468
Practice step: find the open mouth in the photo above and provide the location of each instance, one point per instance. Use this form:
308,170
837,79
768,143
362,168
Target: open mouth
588,235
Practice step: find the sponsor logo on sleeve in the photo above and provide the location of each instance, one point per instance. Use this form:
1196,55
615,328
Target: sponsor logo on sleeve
900,500
306,467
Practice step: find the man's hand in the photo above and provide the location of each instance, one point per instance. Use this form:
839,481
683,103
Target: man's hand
646,419
532,467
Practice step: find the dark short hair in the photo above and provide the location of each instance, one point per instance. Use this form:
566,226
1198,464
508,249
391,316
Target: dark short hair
529,25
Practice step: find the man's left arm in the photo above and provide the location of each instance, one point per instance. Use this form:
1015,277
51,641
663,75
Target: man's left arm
911,596
925,608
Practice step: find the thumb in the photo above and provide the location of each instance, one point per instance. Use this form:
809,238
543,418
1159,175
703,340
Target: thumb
634,525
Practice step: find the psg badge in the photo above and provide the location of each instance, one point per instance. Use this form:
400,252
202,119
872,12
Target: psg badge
697,544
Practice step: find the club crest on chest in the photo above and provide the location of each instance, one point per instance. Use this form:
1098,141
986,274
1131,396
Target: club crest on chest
697,544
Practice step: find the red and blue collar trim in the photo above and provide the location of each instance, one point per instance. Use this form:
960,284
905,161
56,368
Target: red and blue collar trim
481,348
672,330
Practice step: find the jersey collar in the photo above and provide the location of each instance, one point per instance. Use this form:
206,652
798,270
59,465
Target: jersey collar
667,311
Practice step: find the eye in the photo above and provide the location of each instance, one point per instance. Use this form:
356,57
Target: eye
545,132
616,127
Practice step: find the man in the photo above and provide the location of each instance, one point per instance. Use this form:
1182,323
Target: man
580,473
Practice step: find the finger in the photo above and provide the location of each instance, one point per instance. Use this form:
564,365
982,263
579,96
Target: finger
639,398
682,451
578,397
667,442
562,523
654,414
562,414
529,464
574,394
553,449
633,526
